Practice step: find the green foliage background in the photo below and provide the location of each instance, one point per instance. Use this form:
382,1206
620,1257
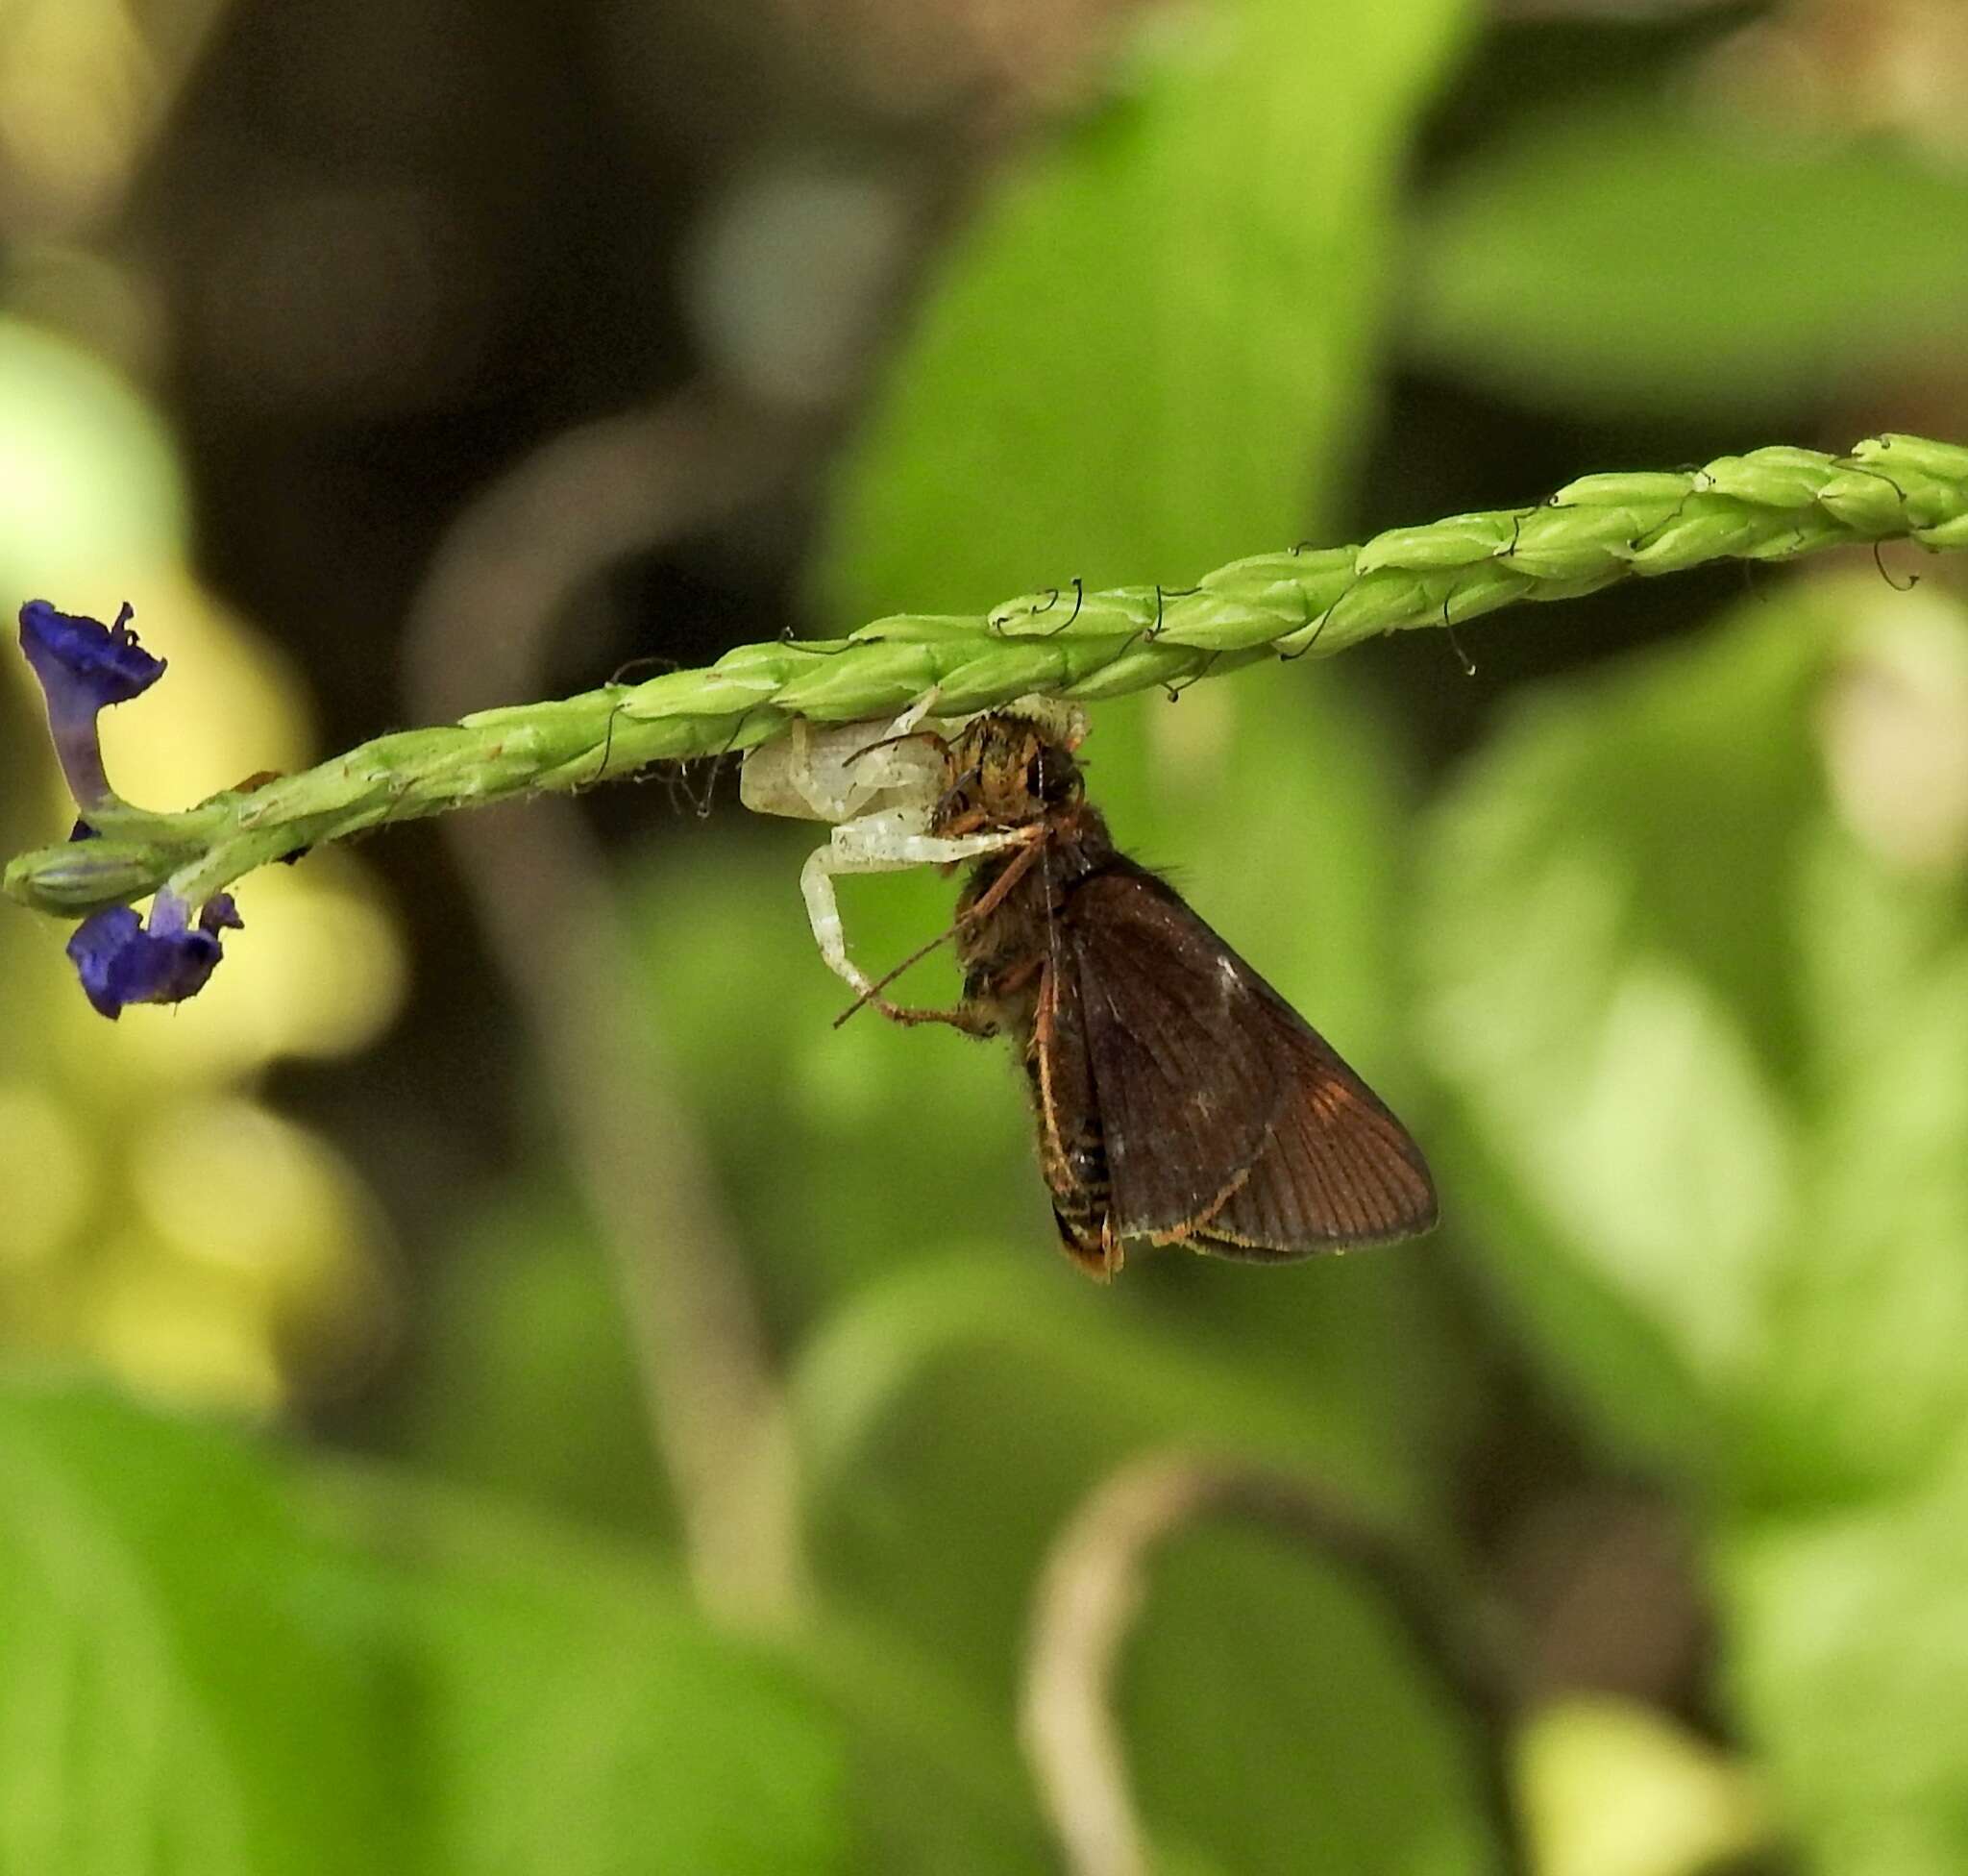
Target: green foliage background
1669,972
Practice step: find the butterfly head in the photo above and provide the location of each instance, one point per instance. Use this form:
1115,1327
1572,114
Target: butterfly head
1006,771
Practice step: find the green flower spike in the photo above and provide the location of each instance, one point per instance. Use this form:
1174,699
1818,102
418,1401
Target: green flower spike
1773,504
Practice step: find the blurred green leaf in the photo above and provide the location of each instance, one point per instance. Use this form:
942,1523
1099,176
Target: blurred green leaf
1602,890
1720,1172
1064,1387
1864,1382
581,1726
1639,259
1145,356
172,1699
534,1339
196,1679
1849,1654
938,1783
880,1143
966,1310
1697,956
1273,1714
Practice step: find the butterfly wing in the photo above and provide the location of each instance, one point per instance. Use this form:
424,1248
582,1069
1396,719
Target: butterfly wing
1338,1169
1228,1122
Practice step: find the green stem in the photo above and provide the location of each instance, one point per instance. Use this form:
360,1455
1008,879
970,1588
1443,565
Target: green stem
1773,504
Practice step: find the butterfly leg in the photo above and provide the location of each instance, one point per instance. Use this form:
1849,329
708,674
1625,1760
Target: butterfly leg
972,1022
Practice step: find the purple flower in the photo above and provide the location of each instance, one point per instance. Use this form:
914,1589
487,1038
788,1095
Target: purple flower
84,663
84,667
119,961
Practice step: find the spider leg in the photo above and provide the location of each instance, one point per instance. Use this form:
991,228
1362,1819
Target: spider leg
877,842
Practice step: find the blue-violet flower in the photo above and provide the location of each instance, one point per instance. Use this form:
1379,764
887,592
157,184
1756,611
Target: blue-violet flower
84,667
119,961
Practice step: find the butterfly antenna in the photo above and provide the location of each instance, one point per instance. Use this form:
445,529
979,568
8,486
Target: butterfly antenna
914,958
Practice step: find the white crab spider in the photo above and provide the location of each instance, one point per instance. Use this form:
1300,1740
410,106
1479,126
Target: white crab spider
879,786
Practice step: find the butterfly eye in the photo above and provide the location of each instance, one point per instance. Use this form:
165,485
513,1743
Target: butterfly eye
1053,777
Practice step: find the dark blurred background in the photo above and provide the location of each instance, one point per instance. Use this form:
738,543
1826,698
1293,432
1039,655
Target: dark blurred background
399,358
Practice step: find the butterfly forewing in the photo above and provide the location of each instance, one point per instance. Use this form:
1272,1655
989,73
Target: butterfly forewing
1184,1091
1227,1122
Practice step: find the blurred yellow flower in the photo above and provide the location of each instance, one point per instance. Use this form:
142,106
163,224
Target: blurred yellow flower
1614,1789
